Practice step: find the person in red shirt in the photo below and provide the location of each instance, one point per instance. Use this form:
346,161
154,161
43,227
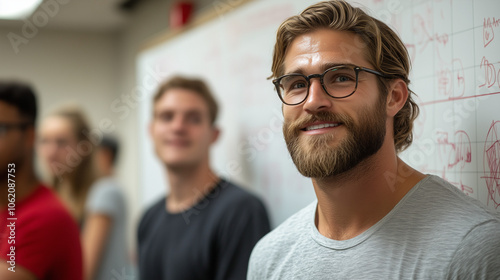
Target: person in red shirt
38,237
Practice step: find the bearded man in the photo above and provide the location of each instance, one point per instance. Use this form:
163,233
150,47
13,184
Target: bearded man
342,76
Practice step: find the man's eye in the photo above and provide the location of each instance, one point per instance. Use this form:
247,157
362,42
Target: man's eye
165,117
299,85
194,119
340,79
61,143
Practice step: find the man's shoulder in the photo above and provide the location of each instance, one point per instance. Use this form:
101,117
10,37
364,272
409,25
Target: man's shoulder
43,204
436,195
441,212
105,196
42,212
291,231
232,195
477,255
154,208
149,217
106,185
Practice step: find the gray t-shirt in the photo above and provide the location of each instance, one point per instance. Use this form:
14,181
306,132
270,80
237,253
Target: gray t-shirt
106,197
434,232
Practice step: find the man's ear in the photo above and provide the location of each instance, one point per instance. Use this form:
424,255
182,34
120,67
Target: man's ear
215,134
396,97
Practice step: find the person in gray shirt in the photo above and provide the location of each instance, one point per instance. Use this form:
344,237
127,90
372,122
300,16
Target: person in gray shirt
348,112
105,229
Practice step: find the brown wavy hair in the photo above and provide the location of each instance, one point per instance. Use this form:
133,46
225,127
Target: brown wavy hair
382,48
196,85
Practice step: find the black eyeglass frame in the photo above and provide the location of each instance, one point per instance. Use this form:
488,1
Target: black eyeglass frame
356,69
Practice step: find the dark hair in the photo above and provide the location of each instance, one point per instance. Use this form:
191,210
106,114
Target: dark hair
196,85
110,143
22,97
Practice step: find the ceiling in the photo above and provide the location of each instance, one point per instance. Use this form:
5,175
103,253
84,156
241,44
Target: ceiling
84,15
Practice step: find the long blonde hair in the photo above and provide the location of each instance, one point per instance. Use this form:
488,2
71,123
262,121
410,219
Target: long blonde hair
79,177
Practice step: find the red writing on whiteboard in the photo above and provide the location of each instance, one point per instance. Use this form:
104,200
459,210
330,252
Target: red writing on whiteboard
443,39
491,163
459,78
488,32
455,155
451,83
491,76
444,85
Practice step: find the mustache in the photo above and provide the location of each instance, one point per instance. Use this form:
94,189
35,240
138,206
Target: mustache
323,116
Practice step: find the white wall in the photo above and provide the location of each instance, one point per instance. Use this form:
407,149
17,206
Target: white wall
148,20
65,67
97,71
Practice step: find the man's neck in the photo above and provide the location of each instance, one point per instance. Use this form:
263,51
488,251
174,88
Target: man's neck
188,185
24,181
350,204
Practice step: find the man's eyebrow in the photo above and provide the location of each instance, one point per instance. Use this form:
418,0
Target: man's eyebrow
175,110
193,112
323,67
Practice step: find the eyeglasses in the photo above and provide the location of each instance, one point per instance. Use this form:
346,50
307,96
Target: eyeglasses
338,82
5,127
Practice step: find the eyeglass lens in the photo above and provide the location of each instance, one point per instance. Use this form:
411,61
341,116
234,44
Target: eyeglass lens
338,82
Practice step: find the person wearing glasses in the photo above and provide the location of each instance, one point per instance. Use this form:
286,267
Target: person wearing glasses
38,237
343,79
206,227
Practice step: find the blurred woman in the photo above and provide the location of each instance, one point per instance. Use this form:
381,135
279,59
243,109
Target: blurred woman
67,156
100,207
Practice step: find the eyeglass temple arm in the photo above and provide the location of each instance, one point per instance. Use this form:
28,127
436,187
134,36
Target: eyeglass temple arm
382,74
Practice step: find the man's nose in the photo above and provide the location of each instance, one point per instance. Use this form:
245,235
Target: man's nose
317,99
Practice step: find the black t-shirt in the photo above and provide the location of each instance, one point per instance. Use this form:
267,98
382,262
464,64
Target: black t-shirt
211,240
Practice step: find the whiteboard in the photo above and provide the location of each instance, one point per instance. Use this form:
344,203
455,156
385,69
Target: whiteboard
456,75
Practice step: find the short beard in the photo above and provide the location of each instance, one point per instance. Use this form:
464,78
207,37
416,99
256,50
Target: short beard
313,155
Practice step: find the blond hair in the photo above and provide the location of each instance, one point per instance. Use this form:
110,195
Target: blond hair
80,177
383,49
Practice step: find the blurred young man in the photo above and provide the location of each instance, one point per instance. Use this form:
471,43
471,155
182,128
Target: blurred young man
104,232
206,227
38,237
343,78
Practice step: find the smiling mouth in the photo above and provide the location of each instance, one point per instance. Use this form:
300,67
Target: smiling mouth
176,143
320,126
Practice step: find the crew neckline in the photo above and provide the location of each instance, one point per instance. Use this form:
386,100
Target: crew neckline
195,206
355,241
